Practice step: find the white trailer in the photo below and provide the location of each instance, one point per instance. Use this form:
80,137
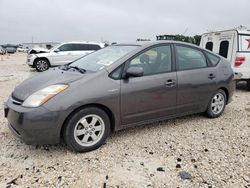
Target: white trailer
234,45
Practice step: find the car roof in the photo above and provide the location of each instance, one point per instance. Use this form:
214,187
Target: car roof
151,43
239,31
83,42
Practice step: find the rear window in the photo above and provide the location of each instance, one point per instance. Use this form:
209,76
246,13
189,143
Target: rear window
213,58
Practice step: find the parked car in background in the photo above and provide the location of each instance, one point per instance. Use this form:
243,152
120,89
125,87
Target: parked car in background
116,87
235,46
22,50
61,54
2,51
11,50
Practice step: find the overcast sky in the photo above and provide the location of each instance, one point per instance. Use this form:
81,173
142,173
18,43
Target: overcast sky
115,20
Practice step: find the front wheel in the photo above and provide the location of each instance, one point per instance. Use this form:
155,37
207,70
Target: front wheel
41,65
87,129
217,104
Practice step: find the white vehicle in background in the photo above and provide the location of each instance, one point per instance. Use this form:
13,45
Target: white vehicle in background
2,51
21,50
61,54
235,46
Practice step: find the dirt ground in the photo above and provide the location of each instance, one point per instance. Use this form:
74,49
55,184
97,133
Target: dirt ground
191,151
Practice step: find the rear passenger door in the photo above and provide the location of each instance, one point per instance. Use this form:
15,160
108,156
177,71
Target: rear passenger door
79,50
196,79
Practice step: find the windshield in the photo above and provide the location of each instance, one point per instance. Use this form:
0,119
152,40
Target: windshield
102,58
55,47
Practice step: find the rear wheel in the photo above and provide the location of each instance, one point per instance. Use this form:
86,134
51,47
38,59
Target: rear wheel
41,64
248,85
87,129
217,104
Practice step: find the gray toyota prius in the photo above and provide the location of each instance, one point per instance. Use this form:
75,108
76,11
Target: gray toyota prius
116,87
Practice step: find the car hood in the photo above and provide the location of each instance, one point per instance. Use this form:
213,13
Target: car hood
42,80
38,50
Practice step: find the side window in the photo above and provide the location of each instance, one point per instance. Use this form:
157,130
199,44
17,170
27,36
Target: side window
74,47
83,47
79,47
65,47
190,58
224,48
213,58
154,61
94,47
209,46
116,74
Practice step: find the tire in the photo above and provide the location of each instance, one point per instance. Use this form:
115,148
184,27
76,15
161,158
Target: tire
86,129
41,64
216,104
248,85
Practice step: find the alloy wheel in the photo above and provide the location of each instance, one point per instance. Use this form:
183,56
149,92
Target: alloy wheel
89,130
218,103
42,65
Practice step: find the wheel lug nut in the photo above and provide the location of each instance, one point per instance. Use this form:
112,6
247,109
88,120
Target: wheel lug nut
93,129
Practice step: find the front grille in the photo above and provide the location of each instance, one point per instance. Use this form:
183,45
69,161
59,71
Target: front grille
16,100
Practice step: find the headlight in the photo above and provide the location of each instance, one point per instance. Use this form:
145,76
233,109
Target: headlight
42,96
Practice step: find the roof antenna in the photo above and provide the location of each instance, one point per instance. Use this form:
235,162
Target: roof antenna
185,31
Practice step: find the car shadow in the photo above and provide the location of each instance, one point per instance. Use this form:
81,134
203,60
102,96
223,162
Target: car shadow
241,86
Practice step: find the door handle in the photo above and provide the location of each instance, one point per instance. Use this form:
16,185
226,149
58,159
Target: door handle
170,83
211,76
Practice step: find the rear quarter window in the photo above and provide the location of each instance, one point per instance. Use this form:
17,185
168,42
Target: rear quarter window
214,60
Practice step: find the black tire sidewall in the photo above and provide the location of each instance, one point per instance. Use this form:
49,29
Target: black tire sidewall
209,111
37,60
248,84
68,132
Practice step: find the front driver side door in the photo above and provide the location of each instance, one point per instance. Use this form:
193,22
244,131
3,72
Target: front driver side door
153,95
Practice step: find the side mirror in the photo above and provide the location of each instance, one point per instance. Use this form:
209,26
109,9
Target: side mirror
56,50
134,72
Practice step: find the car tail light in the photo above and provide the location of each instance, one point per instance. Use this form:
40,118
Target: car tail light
239,61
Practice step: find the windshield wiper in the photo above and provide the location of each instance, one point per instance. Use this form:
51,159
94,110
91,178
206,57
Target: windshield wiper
81,70
67,67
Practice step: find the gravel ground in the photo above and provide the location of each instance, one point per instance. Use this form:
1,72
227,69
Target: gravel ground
191,151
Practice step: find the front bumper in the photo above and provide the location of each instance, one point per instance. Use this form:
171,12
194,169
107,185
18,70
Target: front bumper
33,125
30,60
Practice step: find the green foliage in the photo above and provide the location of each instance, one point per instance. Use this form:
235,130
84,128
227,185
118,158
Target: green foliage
194,40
